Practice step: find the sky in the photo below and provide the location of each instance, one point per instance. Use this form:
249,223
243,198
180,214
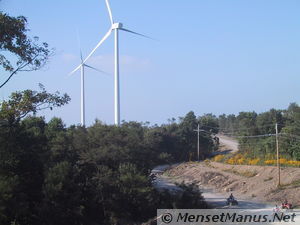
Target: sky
209,56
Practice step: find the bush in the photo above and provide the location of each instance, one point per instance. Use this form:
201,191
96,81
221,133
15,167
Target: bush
218,158
253,161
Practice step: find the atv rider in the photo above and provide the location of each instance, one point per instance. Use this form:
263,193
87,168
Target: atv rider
286,205
231,198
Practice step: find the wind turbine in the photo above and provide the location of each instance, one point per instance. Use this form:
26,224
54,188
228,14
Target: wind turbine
114,27
82,90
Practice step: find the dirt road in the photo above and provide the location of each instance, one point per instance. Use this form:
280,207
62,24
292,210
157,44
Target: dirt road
162,182
213,198
228,143
254,183
218,200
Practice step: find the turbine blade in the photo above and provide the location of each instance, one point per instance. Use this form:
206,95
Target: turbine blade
101,71
109,12
79,45
78,42
78,67
81,55
135,33
100,43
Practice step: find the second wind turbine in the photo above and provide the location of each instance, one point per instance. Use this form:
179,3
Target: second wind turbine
82,87
114,27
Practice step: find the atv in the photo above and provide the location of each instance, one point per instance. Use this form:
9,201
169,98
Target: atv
231,201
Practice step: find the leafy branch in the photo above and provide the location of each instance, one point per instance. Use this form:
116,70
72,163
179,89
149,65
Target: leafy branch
13,39
20,104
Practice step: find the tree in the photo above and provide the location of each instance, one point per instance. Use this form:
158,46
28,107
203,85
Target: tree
30,55
53,174
247,123
24,155
266,121
22,103
209,122
186,132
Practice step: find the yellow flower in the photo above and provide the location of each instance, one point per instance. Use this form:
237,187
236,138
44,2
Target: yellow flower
219,158
253,161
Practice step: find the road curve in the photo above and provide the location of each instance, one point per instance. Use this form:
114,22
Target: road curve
228,143
214,199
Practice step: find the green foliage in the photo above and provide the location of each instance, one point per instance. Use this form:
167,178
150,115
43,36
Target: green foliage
13,37
188,136
251,123
22,103
13,40
53,174
209,122
190,197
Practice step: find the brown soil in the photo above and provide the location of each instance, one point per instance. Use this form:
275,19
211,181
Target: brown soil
257,183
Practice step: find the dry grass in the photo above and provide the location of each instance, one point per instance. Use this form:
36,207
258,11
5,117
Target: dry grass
293,184
241,173
268,179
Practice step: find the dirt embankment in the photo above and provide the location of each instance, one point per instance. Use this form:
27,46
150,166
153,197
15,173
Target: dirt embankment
258,183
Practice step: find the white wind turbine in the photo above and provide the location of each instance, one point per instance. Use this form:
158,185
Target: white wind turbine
82,89
114,27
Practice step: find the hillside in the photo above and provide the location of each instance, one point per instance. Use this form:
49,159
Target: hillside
257,183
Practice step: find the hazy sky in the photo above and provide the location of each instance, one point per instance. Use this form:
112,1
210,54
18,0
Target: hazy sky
211,56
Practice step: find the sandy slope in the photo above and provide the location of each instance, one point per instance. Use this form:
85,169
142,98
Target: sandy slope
215,199
256,183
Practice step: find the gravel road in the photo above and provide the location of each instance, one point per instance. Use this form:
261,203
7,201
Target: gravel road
228,143
216,200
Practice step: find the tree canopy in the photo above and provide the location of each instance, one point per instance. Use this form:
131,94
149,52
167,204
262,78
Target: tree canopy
254,124
22,103
28,53
51,174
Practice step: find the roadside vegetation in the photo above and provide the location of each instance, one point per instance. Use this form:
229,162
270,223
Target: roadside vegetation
53,174
256,136
244,159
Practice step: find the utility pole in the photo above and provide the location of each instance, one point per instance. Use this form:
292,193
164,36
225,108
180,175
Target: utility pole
277,150
198,144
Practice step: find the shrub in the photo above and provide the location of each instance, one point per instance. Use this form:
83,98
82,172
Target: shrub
218,158
241,161
270,162
293,163
253,161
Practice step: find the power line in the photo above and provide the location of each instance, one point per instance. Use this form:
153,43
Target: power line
291,135
289,138
269,135
239,129
255,136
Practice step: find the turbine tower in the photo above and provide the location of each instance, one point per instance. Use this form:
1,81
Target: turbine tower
114,27
82,87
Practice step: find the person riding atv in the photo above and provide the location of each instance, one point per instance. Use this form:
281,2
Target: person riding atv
231,200
286,205
153,177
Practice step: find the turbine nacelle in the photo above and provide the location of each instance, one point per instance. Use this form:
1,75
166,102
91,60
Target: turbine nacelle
117,26
114,27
